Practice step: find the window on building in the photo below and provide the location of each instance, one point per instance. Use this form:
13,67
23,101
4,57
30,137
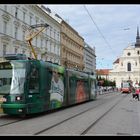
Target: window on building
47,31
4,49
50,31
31,20
24,16
129,67
4,27
54,33
5,7
30,54
128,53
23,51
58,50
16,50
16,32
41,43
16,13
36,41
23,35
46,43
50,46
36,20
42,22
138,52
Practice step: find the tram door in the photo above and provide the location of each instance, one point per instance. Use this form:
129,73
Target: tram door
93,87
34,97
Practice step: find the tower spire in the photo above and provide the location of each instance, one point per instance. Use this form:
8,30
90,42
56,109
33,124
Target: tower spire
137,32
137,44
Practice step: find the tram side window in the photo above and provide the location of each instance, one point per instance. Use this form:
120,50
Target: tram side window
34,81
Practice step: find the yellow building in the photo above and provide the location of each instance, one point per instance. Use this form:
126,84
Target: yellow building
72,47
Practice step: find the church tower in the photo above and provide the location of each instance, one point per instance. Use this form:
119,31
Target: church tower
137,44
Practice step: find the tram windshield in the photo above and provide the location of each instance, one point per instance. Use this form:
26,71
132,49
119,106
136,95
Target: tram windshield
125,85
12,77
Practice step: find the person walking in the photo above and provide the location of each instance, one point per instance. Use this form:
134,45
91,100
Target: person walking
133,91
137,92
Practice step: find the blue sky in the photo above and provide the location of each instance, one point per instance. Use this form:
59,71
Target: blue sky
117,23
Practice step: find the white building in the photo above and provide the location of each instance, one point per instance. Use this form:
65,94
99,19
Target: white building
15,20
89,58
127,67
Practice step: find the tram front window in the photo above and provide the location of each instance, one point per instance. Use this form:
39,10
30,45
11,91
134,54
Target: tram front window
12,77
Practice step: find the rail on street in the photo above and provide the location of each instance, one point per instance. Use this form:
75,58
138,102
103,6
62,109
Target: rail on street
111,113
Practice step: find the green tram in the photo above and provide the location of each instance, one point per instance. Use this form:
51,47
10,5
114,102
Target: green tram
30,86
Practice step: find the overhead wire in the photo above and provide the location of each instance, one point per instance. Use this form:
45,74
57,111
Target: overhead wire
98,29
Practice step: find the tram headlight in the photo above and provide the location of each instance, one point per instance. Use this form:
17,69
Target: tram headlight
18,98
20,110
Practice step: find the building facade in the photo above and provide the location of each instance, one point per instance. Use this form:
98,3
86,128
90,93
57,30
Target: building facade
15,20
127,67
72,47
89,58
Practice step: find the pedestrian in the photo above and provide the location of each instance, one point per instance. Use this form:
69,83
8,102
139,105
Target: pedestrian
133,92
137,92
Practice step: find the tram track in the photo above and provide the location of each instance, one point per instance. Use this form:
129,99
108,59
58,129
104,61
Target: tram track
11,123
7,118
76,115
104,114
100,103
